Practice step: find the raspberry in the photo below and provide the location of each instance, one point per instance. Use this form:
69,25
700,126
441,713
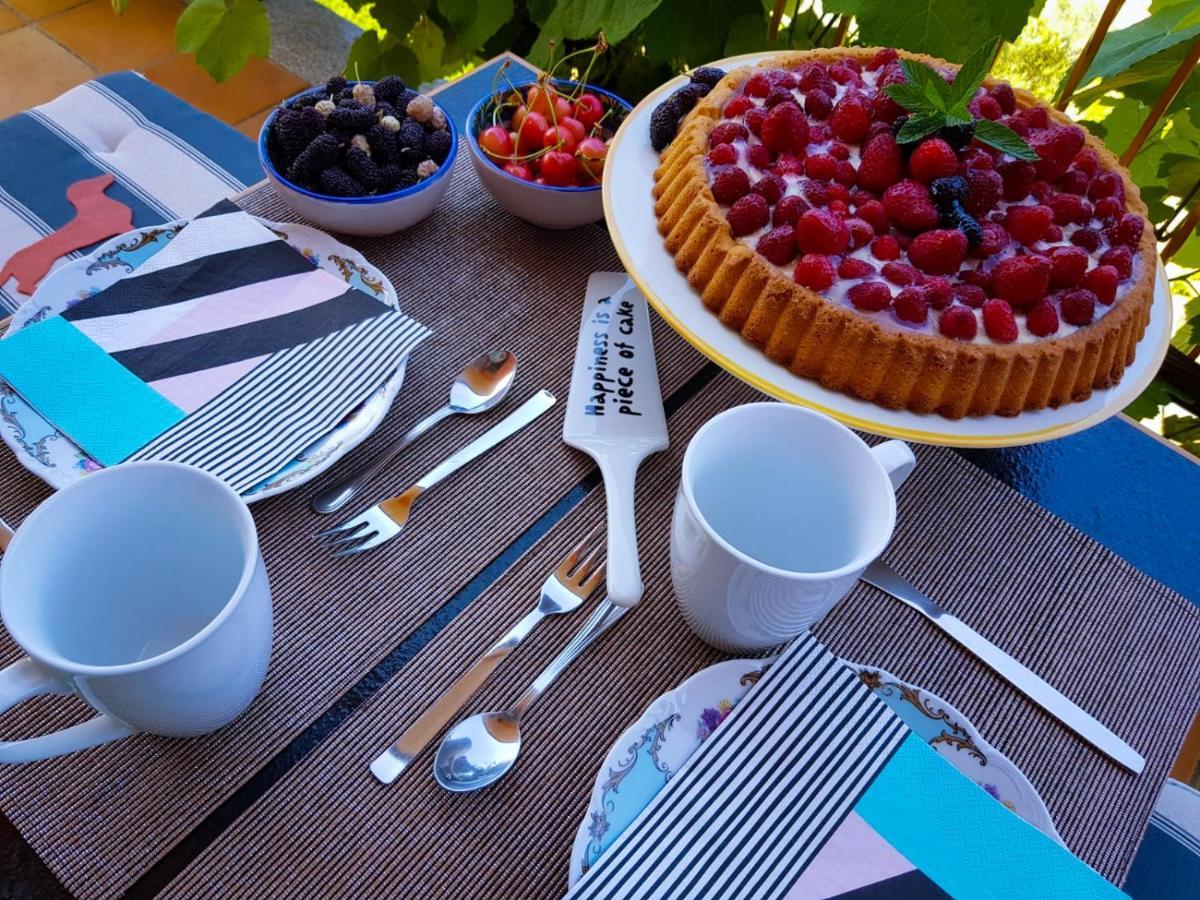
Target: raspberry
820,231
852,64
787,164
785,129
1035,117
1127,232
754,119
1087,238
910,305
1078,307
1073,182
1069,209
821,166
995,239
1067,265
778,245
1102,281
861,232
938,252
814,76
969,295
819,134
1018,178
1059,143
901,274
909,207
999,322
980,278
938,292
870,296
885,247
1028,224
771,187
1053,235
985,107
850,119
1108,209
814,271
730,184
1087,161
722,155
882,163
818,104
759,156
1042,320
882,58
1003,94
845,173
872,211
758,85
1021,280
727,133
933,158
737,106
1120,258
984,187
1106,184
783,78
850,267
978,157
843,74
959,323
837,191
748,214
778,95
788,210
815,192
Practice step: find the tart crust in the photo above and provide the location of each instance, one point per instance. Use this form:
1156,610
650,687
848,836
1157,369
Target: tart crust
844,351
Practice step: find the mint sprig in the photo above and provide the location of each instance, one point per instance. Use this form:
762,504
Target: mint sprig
933,103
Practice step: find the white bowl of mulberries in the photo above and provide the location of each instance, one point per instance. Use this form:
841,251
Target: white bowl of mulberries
365,157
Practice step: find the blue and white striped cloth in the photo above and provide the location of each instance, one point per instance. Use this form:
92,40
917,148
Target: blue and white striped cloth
170,160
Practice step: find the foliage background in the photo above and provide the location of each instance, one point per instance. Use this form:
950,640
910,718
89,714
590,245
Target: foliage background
653,40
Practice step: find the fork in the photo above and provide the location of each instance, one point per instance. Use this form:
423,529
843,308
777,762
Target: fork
577,578
386,519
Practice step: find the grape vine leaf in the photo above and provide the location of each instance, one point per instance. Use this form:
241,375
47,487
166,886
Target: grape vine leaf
946,28
686,32
397,16
1122,49
223,36
475,21
579,19
427,43
373,57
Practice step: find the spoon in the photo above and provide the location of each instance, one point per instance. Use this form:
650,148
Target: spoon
479,750
478,388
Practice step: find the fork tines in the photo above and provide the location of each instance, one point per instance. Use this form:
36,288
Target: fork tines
363,532
582,570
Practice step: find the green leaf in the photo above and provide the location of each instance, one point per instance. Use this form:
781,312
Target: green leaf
1003,138
912,98
1164,29
972,72
475,21
919,126
1149,402
427,43
932,85
223,37
398,16
951,29
1181,172
747,33
691,33
372,57
119,6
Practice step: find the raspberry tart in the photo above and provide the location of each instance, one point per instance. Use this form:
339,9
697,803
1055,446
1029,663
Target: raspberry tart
982,256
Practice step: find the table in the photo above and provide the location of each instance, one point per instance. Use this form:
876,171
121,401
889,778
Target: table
1118,483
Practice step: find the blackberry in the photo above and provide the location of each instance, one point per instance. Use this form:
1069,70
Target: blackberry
337,181
898,123
664,122
955,216
689,95
289,134
335,85
412,136
351,120
957,136
438,144
319,154
948,190
388,89
363,169
906,147
383,145
709,75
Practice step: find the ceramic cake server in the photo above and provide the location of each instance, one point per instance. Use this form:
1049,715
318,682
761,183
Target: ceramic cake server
615,412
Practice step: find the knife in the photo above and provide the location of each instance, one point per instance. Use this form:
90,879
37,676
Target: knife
615,412
1031,685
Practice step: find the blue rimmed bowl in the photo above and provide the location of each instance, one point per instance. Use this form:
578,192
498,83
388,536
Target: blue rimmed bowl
372,215
538,204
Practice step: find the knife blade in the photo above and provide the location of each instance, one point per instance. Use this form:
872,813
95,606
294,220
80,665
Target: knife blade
1023,679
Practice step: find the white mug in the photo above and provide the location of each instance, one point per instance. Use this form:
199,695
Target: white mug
141,589
779,510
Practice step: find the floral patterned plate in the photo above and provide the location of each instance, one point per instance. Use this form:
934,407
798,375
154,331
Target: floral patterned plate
51,455
654,748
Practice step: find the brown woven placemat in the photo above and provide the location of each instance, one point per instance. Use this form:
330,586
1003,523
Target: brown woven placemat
1123,645
481,279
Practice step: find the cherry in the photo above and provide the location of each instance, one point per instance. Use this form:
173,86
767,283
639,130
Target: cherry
574,126
517,170
559,168
496,143
588,110
531,133
518,117
591,154
556,137
540,99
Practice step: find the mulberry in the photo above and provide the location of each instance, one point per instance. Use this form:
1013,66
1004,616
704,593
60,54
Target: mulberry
391,123
708,75
399,178
438,144
383,145
420,108
364,94
404,98
313,123
337,182
319,154
957,217
335,85
689,95
388,89
384,109
957,136
363,168
437,120
288,131
325,107
412,136
353,121
426,168
664,122
304,101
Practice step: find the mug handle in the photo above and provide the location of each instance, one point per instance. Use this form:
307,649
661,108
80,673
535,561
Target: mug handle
897,458
25,679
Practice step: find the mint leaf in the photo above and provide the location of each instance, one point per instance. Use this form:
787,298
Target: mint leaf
959,114
1003,138
930,82
912,98
919,126
971,74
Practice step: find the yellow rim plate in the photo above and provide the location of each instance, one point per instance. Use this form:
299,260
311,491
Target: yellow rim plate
629,212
